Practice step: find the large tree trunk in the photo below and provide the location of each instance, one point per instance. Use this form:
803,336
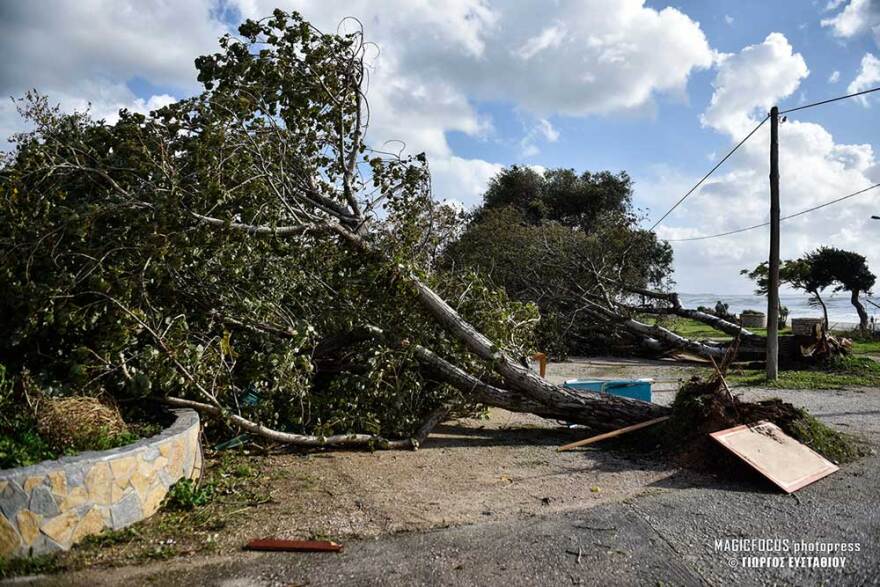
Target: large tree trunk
863,314
610,411
598,411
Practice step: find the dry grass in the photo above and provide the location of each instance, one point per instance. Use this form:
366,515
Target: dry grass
74,422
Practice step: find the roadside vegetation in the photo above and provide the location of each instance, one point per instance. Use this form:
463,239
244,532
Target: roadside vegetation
849,371
189,522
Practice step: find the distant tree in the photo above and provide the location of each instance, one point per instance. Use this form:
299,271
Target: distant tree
561,239
802,274
849,271
561,195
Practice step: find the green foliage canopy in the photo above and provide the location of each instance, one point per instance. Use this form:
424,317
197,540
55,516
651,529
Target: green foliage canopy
188,249
556,239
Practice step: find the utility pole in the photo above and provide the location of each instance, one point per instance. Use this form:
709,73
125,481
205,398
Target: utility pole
773,282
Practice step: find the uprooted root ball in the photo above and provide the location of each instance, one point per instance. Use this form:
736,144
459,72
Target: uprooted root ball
705,406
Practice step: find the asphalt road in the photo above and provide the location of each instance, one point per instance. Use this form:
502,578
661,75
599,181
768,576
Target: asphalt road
665,536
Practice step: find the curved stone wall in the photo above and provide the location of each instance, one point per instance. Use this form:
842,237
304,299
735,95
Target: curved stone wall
55,504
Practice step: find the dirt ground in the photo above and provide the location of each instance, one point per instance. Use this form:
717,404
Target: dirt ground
468,472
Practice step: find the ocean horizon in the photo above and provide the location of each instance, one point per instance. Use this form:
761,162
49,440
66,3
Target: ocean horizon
840,310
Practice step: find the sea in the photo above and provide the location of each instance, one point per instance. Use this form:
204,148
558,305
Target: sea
841,313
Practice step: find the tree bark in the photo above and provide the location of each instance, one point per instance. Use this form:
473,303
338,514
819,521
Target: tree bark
310,441
597,411
863,314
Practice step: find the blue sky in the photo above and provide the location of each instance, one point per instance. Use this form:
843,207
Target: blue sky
658,90
669,132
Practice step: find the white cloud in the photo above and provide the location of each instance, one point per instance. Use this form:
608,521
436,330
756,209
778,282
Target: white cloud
85,52
550,38
463,180
543,130
547,131
857,18
753,79
728,19
814,168
869,75
834,77
608,56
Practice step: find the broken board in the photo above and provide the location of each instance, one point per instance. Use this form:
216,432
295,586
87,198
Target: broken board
780,458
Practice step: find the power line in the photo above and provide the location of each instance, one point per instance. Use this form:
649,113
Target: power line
805,106
711,171
747,137
801,213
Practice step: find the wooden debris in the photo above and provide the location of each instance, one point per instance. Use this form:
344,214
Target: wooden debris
780,458
613,433
542,363
278,545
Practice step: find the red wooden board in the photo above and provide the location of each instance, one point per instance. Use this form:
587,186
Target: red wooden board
294,545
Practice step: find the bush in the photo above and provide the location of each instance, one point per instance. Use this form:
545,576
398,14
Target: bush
20,444
187,494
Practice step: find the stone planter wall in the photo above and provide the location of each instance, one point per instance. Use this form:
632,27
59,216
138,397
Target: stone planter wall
753,320
805,326
55,504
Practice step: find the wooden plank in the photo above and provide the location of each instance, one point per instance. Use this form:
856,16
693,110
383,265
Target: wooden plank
542,363
613,433
275,544
780,458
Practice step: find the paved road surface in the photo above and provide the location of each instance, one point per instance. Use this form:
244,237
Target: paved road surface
664,536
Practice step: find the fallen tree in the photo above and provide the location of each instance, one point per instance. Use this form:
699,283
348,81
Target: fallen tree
246,253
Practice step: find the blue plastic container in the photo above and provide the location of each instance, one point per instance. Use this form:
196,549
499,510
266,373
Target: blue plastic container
632,388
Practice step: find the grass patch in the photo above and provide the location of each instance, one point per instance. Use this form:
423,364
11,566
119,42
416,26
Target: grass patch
866,347
842,372
190,521
35,565
867,343
695,329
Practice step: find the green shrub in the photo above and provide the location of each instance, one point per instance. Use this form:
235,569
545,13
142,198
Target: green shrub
187,494
20,445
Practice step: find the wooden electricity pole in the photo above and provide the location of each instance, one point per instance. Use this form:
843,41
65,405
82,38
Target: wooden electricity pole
773,282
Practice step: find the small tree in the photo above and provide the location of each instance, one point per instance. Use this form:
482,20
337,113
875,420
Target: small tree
802,274
849,271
